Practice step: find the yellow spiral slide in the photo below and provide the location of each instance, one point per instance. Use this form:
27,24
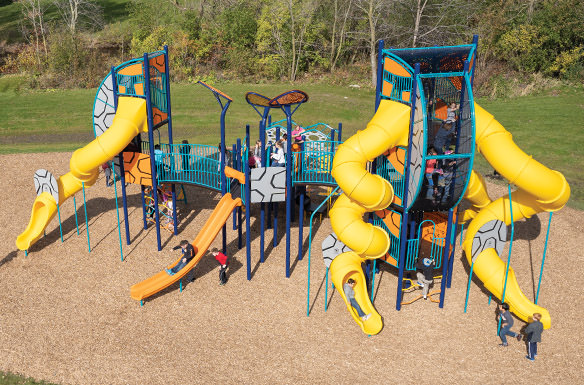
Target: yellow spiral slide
129,121
364,192
539,189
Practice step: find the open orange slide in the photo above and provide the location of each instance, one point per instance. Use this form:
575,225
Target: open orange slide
201,243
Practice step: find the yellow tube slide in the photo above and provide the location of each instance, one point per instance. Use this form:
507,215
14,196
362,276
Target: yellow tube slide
539,189
364,192
129,121
348,265
476,194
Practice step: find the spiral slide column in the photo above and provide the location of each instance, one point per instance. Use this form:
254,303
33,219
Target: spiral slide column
539,189
364,192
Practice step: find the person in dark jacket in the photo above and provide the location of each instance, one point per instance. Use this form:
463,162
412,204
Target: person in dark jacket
425,274
533,331
506,324
188,253
222,259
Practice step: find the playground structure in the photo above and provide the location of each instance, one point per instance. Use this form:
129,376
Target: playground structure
380,171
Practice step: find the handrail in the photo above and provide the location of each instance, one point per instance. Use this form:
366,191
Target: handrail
310,249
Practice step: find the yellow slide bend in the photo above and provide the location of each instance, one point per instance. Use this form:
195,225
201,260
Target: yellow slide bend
129,121
539,189
201,243
364,192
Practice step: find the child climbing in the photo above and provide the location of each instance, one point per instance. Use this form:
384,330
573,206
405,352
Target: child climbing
432,186
350,294
425,274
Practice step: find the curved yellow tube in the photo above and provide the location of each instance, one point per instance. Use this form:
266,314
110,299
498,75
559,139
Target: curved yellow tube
129,121
476,194
348,265
364,192
540,189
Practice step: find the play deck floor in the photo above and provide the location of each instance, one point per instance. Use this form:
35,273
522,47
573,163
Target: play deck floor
66,315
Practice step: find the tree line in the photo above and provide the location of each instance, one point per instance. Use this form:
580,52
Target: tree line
70,42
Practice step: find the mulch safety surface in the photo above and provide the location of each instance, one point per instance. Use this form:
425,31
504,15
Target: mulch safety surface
66,315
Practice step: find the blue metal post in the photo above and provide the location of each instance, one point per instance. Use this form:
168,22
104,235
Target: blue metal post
468,286
326,290
223,177
247,208
403,234
547,236
264,164
340,132
170,139
289,194
509,257
234,160
75,211
379,74
143,206
475,42
451,254
86,221
240,167
301,222
60,226
118,212
445,259
373,279
124,197
151,148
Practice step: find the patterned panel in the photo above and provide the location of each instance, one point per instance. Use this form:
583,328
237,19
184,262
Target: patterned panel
418,150
331,247
138,169
392,220
493,235
44,181
268,184
289,97
103,107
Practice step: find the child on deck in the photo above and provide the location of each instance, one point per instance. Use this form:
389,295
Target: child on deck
350,294
297,134
188,253
257,153
432,188
222,259
278,158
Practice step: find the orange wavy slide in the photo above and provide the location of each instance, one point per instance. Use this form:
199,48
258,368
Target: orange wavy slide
201,244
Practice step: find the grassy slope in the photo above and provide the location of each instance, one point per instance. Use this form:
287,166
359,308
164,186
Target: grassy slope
10,17
548,126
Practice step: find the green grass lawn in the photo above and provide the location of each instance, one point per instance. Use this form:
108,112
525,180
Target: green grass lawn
547,126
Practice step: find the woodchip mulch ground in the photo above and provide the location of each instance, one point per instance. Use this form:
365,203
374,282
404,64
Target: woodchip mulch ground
66,315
